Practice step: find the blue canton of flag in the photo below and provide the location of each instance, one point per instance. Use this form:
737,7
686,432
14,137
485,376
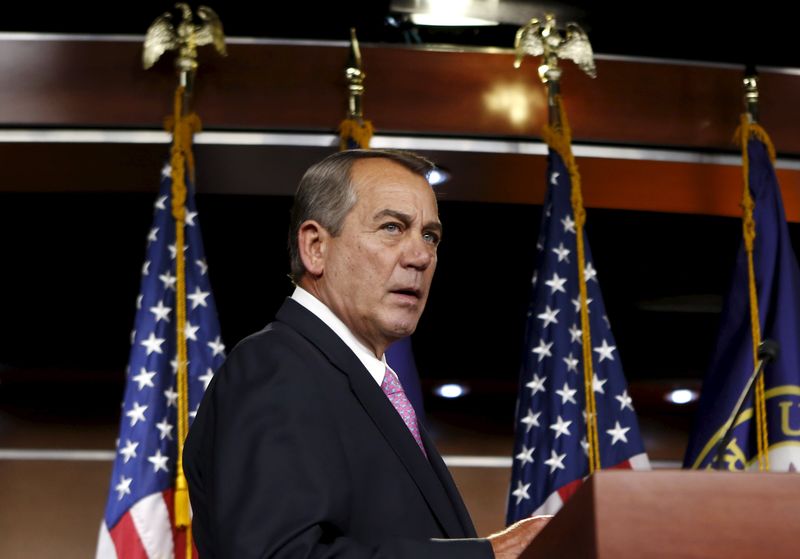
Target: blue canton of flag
139,511
778,286
551,449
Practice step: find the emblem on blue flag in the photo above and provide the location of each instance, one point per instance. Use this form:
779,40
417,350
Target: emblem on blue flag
777,294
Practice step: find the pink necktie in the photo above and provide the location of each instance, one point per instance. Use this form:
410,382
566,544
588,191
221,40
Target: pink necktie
394,391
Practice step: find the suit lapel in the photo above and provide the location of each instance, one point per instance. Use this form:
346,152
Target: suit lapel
438,465
433,487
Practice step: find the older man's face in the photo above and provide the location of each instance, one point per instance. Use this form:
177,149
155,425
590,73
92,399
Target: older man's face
378,270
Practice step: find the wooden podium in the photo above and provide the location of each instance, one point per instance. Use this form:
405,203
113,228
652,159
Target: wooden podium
676,514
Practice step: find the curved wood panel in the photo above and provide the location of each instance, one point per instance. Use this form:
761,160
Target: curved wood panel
302,87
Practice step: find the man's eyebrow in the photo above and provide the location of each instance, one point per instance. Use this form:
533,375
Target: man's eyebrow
433,226
400,216
405,219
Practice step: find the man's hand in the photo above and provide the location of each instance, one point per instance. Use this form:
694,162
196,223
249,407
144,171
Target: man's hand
512,541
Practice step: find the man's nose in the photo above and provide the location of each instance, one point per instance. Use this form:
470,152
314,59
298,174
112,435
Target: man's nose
418,253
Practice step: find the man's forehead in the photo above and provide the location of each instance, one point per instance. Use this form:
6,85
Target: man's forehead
372,168
401,201
376,178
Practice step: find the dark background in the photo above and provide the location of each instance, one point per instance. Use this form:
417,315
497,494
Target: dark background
72,265
761,34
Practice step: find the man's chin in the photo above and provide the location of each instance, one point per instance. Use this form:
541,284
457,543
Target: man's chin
401,328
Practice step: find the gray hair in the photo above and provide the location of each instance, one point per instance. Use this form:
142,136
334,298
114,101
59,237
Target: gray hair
326,194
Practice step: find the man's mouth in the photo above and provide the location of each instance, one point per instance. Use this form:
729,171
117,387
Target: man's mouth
409,292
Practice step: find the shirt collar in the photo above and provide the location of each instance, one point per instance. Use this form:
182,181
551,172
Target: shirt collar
376,367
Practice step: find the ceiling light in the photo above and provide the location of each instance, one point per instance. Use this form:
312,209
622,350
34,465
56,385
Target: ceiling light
449,20
451,391
482,12
437,176
446,13
681,396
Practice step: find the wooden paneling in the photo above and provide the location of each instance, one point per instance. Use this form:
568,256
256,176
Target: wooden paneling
469,93
52,509
680,514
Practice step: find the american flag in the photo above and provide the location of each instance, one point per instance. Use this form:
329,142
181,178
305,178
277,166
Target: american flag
777,277
138,520
551,449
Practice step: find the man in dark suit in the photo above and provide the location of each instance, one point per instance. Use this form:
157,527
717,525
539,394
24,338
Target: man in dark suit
305,445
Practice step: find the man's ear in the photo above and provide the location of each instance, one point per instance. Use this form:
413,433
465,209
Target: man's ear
313,241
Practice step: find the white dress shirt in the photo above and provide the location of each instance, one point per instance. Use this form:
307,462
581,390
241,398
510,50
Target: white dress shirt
376,367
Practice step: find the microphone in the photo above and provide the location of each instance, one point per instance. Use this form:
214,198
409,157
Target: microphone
767,352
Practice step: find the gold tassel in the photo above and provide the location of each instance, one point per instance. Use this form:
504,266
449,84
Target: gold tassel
183,128
559,138
356,131
743,133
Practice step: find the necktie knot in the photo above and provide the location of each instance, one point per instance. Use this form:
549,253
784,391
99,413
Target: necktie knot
391,385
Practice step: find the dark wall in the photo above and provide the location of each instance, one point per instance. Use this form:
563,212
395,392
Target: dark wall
71,265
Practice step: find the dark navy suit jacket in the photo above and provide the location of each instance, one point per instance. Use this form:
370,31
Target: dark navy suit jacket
296,452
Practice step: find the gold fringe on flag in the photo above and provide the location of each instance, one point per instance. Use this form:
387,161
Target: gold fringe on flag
358,132
744,132
183,127
559,138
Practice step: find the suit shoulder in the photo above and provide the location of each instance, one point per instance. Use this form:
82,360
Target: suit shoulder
273,351
275,338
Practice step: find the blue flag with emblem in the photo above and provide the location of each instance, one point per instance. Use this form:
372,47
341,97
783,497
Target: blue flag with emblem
139,510
551,447
777,289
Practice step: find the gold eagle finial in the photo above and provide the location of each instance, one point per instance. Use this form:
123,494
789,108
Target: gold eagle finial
543,38
162,36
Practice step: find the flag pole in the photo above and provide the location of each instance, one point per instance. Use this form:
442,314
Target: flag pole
181,145
545,39
354,130
748,127
183,124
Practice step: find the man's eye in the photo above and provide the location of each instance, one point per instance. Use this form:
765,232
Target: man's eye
432,238
392,227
